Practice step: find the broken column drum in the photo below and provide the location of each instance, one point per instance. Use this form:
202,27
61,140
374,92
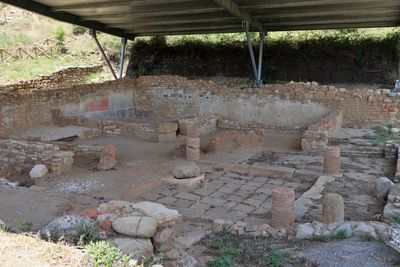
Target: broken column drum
192,148
283,207
332,208
332,160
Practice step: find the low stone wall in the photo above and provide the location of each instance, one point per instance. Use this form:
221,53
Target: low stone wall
316,137
21,156
232,139
151,130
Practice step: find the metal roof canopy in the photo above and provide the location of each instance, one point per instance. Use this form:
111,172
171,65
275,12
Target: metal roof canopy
131,18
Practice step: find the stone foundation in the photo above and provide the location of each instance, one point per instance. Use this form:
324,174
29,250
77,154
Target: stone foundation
21,156
233,139
317,135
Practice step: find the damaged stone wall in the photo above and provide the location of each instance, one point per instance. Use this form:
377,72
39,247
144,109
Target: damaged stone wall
20,156
172,98
316,137
59,79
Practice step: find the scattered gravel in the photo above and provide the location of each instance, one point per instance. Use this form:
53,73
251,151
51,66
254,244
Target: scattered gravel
351,253
77,187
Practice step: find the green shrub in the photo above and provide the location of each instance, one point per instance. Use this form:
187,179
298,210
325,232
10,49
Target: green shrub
141,70
78,30
322,238
86,234
341,235
275,258
104,254
26,226
59,35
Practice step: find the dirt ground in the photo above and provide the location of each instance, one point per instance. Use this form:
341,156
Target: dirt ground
142,165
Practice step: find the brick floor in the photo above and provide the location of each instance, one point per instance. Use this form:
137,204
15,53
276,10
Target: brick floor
225,195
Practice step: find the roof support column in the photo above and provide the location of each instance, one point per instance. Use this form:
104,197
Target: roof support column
93,34
122,57
256,70
260,56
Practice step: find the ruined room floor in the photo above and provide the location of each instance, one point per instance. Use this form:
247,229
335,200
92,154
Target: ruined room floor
143,165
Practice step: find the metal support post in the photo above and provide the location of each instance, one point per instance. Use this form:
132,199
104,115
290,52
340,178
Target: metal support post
93,34
256,70
248,37
122,57
260,56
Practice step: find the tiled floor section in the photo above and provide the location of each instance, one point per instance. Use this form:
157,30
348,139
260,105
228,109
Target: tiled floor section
225,195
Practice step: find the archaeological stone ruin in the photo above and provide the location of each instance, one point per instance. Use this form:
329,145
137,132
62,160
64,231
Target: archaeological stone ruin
143,159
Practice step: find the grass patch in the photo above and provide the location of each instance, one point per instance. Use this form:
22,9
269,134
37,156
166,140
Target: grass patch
276,258
26,250
104,254
224,261
381,135
86,234
341,235
33,68
26,227
364,237
322,238
240,250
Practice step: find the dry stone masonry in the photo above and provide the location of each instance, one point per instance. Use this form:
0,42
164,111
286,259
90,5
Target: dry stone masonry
19,156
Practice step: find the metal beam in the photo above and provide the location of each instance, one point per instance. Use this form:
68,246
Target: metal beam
106,3
93,34
260,56
329,21
122,57
235,10
68,17
147,10
271,4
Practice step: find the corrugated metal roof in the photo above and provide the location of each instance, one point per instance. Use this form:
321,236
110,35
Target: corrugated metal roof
130,18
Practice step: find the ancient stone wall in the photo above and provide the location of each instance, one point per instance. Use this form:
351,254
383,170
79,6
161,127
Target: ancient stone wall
19,156
59,79
171,98
316,137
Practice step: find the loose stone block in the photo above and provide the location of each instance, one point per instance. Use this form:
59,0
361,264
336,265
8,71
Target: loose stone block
193,148
332,160
282,207
332,208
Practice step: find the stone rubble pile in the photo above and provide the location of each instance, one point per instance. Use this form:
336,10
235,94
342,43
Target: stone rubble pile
139,229
241,228
368,230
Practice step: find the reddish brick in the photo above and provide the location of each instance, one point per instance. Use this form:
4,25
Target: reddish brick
91,213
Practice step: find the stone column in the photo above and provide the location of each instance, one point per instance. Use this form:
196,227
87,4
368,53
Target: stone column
282,207
192,148
332,209
332,160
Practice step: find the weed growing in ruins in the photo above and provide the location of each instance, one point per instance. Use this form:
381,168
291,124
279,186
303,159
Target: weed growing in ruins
104,254
6,228
381,135
396,218
26,227
86,234
224,261
141,70
364,237
276,258
341,235
55,235
322,238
